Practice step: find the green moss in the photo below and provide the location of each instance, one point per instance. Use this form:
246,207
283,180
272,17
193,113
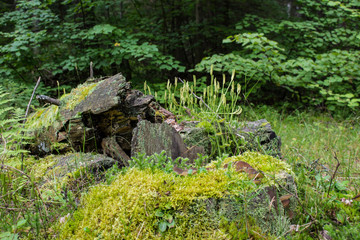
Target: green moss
272,167
77,95
139,201
198,137
43,118
42,167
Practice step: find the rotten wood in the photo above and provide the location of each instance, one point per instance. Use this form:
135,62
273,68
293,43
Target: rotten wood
46,99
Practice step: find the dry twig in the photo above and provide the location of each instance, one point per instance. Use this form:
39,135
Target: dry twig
333,176
32,96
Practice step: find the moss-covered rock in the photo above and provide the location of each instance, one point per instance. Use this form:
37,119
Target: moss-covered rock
250,136
89,113
197,136
72,172
149,204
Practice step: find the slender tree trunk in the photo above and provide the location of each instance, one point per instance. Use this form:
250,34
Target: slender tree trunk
197,15
83,13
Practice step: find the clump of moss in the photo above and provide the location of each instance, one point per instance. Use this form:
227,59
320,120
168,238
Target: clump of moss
117,211
77,95
43,118
273,168
148,204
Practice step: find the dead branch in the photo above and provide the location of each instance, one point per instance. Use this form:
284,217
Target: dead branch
32,96
45,99
91,70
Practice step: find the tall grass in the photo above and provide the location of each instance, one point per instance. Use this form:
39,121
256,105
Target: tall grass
196,99
314,144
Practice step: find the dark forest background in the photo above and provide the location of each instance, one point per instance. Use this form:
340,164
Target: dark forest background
285,52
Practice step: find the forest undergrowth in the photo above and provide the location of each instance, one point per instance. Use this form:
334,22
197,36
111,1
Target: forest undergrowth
321,148
324,153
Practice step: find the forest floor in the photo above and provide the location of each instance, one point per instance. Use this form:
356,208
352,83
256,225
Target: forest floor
324,152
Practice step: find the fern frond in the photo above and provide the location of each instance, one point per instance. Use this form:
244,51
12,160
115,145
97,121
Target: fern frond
4,101
5,111
11,127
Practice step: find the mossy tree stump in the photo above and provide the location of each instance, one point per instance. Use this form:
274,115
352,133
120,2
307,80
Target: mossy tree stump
221,203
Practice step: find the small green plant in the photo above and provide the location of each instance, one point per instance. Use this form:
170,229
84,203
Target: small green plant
11,129
165,217
160,162
216,106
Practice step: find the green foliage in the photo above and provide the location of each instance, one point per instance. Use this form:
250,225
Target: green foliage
11,129
41,41
155,162
303,52
44,192
215,106
259,61
24,196
314,59
346,231
166,164
310,141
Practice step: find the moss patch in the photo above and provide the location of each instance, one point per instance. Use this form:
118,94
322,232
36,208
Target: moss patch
272,167
43,118
149,204
77,95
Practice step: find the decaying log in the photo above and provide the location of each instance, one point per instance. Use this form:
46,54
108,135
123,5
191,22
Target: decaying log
101,115
112,148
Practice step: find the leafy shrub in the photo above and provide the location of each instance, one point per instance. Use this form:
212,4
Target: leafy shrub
330,79
311,57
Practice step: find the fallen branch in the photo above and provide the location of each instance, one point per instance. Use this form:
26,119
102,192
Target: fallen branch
91,70
45,99
32,96
25,118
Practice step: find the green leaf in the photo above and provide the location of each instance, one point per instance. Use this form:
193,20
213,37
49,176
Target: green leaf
102,29
340,217
171,225
21,223
227,40
333,3
168,205
169,218
159,213
349,95
341,186
162,226
9,236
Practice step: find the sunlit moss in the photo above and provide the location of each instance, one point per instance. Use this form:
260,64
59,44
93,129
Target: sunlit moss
117,211
43,117
126,209
272,167
77,95
42,167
